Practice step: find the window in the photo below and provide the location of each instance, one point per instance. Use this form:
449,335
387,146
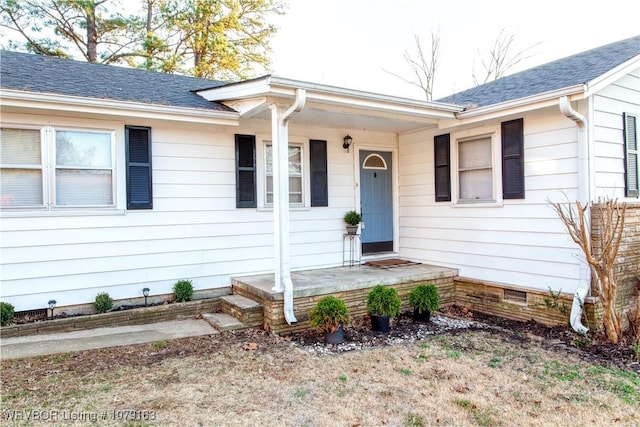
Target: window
475,170
139,179
22,168
245,171
296,196
304,187
631,155
475,165
56,168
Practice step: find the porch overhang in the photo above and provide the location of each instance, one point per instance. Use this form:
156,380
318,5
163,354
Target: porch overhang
330,106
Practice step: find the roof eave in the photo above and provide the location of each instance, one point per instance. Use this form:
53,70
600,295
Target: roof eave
278,87
537,101
56,102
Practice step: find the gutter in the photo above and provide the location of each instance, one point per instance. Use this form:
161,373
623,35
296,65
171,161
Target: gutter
526,102
280,142
16,99
584,192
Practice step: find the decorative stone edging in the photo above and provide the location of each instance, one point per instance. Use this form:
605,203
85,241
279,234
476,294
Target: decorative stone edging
134,316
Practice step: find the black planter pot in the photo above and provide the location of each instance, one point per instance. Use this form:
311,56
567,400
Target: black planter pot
380,323
335,337
425,316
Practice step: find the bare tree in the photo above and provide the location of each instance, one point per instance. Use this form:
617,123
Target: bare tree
501,57
423,65
600,250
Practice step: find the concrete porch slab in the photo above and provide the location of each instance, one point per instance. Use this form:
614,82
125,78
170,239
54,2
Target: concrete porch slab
308,283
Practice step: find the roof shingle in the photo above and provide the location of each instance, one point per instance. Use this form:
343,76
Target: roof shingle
37,73
562,73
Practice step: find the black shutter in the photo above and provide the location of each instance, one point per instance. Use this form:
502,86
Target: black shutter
442,161
513,159
318,161
245,171
138,153
630,155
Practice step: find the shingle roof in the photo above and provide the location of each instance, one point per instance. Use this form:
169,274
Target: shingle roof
562,73
37,73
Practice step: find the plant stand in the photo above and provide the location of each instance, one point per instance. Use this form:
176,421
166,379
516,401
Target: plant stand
351,250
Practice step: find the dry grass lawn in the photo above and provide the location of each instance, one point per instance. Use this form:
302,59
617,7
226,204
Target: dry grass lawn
471,378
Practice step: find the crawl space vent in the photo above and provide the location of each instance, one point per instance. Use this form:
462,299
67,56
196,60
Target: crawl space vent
515,296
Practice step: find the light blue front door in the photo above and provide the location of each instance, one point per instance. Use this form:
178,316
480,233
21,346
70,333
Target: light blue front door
376,201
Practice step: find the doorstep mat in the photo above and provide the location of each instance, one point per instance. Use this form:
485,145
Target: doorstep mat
390,263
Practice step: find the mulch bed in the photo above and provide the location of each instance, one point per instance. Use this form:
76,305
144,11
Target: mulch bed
592,347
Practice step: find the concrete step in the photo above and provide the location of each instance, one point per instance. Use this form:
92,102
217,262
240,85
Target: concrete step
223,321
244,309
241,302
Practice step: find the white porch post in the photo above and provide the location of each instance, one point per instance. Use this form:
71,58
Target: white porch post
280,150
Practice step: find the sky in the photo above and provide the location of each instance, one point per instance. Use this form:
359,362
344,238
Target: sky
358,44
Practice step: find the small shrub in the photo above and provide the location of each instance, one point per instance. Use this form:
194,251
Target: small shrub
328,314
352,218
103,302
6,313
183,290
383,301
424,298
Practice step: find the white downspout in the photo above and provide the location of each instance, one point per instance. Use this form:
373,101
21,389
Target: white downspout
584,193
280,147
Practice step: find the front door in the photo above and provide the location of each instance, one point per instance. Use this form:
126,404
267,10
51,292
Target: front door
376,201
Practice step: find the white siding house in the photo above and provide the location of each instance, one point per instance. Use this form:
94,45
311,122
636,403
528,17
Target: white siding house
71,228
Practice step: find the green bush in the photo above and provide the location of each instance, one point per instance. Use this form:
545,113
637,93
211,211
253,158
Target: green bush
183,290
6,313
103,302
383,301
352,218
328,314
424,298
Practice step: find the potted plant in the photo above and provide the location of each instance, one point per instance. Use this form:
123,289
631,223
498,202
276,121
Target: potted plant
352,218
329,316
382,304
424,299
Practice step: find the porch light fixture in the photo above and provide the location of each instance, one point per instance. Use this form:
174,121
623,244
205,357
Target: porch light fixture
347,142
52,305
145,292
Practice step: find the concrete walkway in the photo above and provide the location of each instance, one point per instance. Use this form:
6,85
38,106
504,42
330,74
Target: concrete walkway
39,345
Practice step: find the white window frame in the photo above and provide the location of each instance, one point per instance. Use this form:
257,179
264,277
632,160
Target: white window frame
261,172
49,167
496,167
